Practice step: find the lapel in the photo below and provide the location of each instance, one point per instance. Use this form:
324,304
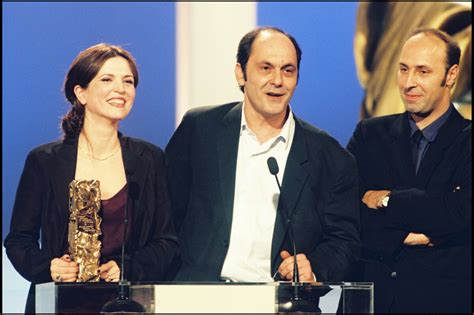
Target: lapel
62,170
435,153
296,173
136,170
227,149
399,151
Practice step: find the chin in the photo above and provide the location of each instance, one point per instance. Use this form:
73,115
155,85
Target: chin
277,108
116,118
121,114
412,108
275,113
420,113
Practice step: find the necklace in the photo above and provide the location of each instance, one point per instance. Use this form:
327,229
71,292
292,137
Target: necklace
91,154
105,158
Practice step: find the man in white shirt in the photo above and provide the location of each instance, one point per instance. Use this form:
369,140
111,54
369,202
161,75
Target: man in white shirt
232,220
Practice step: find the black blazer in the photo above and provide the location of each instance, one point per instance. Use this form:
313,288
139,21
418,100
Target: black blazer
437,201
319,193
41,206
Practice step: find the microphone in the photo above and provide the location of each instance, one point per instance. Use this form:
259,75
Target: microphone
273,168
296,303
123,303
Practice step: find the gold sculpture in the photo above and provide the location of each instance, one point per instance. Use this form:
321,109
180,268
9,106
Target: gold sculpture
84,228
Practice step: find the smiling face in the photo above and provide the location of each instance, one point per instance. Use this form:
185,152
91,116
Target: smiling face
271,75
110,94
423,80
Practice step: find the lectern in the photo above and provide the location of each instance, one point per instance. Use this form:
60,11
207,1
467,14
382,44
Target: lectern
210,297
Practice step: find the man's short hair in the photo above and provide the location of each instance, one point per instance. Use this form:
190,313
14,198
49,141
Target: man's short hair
453,52
245,47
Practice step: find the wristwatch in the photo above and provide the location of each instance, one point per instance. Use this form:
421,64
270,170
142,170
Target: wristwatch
385,201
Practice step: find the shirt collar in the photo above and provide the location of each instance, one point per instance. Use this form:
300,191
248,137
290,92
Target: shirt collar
431,131
285,132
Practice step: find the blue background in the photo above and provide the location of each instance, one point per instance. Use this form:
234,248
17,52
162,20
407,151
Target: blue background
40,40
328,93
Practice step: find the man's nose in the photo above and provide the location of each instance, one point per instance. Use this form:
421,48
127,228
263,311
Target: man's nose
277,79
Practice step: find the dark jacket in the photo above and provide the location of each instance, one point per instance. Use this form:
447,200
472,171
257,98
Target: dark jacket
319,195
41,206
437,201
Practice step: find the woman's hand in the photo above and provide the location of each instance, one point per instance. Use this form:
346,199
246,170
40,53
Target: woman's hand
63,269
109,271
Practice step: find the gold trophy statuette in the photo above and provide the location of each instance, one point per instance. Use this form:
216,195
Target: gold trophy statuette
84,228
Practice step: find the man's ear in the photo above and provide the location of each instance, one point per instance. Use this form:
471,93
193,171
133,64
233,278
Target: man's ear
239,74
452,75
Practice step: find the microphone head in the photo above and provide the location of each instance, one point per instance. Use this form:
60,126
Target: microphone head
272,165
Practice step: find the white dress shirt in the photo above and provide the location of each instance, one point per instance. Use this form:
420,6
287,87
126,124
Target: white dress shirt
255,204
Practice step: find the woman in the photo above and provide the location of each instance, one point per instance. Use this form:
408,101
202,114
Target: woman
100,85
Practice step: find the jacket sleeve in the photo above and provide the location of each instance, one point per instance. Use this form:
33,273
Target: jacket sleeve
339,247
377,237
178,155
22,242
440,214
153,260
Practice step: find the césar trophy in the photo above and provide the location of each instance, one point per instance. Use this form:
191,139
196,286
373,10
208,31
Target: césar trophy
84,228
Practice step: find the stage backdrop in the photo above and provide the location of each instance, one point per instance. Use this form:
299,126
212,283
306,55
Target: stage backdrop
41,39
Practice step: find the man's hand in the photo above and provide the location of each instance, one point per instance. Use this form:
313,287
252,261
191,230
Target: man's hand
304,267
373,198
417,239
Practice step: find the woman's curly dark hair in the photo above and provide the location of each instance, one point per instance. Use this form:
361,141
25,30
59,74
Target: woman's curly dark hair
83,69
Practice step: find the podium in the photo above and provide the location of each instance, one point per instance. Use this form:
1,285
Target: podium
209,297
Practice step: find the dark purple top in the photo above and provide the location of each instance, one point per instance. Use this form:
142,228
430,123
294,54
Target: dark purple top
113,215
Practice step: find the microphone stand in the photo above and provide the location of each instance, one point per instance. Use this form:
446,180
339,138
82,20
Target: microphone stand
296,302
123,303
296,273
